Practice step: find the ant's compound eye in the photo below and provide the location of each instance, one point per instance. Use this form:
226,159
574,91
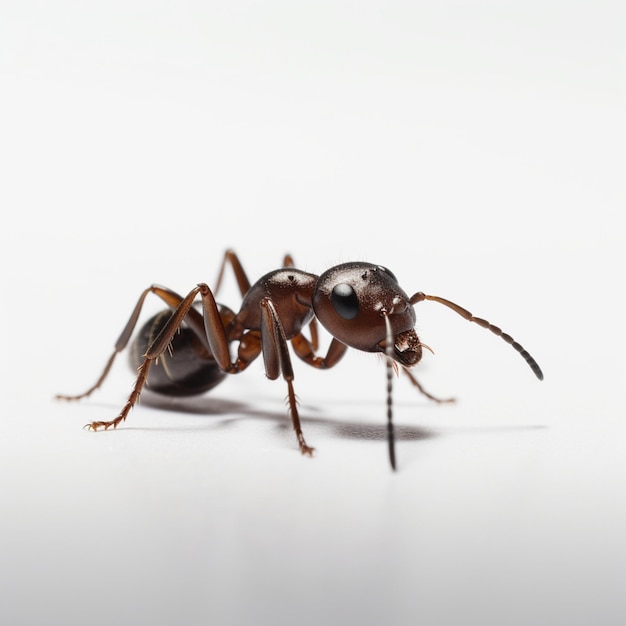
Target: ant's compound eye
345,301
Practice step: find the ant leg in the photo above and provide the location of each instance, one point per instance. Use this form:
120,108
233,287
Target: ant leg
213,333
273,345
305,350
96,385
158,346
240,275
142,375
172,299
417,384
230,256
277,362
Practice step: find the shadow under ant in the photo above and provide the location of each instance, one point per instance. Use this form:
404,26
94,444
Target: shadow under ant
354,429
213,406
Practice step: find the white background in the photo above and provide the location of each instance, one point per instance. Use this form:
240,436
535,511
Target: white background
476,149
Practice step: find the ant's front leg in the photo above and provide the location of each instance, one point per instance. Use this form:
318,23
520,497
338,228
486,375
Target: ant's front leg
306,350
423,391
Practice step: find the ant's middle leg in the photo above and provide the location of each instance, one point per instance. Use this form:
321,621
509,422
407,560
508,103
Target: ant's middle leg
278,362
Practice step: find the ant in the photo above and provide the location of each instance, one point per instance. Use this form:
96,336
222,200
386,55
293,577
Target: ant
185,350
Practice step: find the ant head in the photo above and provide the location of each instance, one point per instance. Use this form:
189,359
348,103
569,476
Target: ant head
354,300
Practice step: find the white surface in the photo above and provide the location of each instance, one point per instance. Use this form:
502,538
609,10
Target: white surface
475,149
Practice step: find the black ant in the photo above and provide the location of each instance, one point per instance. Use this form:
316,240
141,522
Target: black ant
186,350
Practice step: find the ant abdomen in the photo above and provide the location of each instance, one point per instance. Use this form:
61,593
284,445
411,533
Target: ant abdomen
186,369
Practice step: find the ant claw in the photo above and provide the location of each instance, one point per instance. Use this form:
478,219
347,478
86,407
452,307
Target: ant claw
95,426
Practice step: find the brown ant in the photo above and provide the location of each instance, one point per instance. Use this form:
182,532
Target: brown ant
186,350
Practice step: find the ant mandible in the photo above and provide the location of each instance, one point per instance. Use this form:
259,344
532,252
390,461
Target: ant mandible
185,350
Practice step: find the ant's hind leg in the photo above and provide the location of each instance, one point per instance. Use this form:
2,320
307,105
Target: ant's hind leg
120,344
156,349
96,385
142,375
243,282
172,299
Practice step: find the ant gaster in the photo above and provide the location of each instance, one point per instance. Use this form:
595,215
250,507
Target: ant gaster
185,350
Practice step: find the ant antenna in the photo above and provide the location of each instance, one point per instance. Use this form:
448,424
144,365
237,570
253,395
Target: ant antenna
390,372
419,297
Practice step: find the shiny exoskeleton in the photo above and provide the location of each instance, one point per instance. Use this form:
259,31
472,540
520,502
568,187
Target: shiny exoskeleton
186,349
